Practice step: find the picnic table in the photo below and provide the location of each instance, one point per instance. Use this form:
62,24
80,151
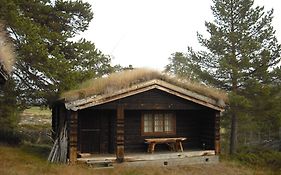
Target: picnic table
175,144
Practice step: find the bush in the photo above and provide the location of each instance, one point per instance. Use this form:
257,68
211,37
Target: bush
258,156
41,151
11,137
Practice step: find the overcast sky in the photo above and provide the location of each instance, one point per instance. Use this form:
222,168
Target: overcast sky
144,33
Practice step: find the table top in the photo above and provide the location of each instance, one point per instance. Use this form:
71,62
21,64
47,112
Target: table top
170,139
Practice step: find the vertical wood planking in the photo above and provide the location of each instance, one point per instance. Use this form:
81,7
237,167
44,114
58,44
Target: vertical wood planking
54,122
217,133
120,134
73,137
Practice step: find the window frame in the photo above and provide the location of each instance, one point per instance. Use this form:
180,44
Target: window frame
163,133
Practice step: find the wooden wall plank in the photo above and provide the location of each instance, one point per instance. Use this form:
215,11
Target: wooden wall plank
73,137
120,134
217,133
189,124
153,99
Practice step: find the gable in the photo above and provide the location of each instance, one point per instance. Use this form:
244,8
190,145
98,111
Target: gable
152,99
170,89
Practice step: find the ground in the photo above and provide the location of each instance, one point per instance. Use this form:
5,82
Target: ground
35,125
36,116
31,157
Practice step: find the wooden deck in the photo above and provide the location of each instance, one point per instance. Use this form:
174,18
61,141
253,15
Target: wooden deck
162,158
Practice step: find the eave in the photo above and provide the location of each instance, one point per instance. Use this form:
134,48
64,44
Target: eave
143,87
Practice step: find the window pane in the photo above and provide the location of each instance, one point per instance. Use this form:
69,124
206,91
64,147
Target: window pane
168,123
158,123
148,123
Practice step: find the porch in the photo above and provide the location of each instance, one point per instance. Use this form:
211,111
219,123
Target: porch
163,158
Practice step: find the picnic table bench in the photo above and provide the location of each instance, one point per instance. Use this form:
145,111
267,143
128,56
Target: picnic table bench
175,144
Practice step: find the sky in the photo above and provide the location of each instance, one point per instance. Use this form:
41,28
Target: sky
144,33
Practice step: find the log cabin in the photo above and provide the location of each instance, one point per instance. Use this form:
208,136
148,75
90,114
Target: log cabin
118,113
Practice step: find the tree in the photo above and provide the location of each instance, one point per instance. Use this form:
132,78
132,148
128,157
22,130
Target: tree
48,59
178,66
9,106
242,51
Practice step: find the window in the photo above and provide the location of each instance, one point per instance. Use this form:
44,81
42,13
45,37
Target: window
158,123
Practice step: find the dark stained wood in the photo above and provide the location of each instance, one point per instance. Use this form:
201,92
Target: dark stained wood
190,124
59,117
96,131
89,133
55,123
120,134
153,99
120,123
73,137
207,129
217,133
112,132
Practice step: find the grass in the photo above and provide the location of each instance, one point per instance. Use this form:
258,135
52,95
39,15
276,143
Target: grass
125,79
38,111
35,125
31,160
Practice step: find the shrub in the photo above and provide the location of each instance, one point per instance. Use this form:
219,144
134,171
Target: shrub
258,156
41,151
11,137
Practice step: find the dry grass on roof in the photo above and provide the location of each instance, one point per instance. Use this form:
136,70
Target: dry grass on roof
128,78
7,54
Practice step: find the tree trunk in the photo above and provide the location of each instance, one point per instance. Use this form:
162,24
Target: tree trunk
234,63
233,135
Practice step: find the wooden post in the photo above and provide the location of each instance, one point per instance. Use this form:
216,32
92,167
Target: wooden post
217,133
73,137
120,134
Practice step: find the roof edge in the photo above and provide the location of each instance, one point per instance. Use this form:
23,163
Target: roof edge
142,87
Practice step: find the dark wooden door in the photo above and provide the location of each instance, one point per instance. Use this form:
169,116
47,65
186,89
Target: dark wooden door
90,131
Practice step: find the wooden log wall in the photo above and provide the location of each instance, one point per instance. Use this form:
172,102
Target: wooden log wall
152,100
207,129
97,131
194,121
59,117
134,141
55,123
189,124
217,133
120,134
73,137
104,132
112,131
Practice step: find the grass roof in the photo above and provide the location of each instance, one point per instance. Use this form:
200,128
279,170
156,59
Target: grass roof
7,55
128,78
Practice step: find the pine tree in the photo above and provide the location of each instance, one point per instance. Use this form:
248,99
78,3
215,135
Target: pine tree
242,51
48,59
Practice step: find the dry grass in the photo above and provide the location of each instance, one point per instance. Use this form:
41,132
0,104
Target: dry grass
125,79
18,161
7,54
